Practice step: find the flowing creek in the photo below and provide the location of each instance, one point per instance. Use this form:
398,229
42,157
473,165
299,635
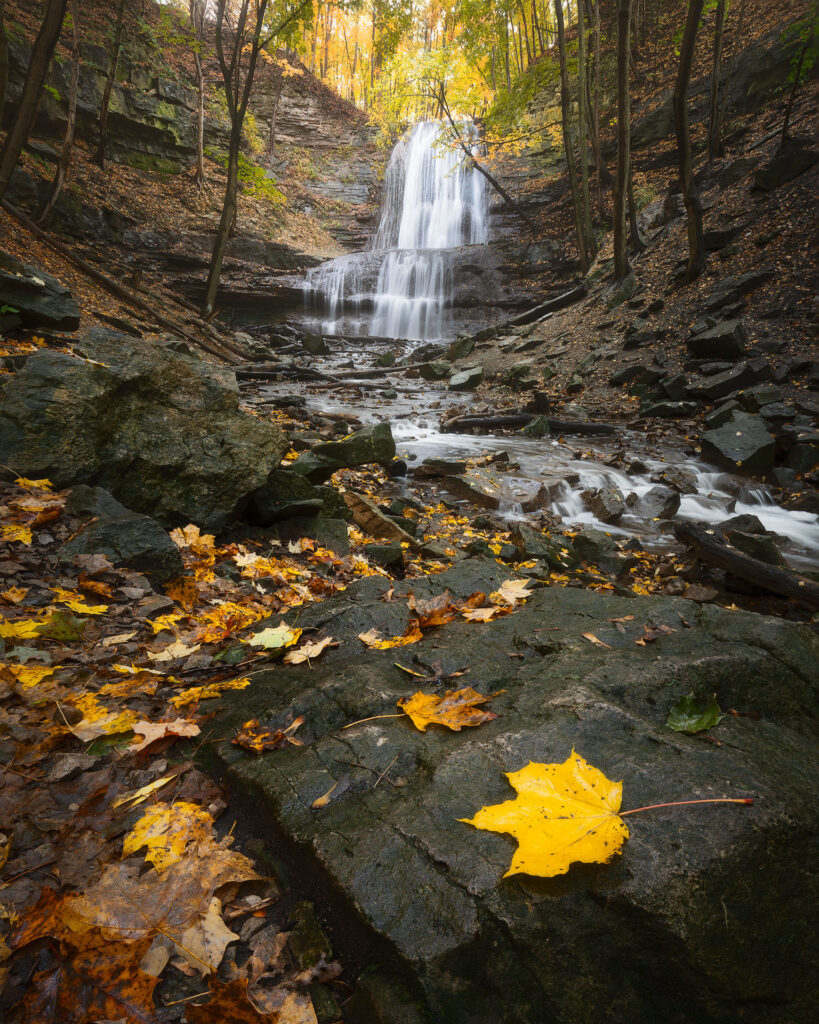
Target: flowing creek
400,290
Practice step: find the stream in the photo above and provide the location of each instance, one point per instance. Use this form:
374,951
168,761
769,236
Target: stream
401,289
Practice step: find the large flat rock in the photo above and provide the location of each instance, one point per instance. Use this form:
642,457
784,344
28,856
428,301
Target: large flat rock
703,918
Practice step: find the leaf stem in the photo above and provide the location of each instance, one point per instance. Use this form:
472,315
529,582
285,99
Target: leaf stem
681,803
374,717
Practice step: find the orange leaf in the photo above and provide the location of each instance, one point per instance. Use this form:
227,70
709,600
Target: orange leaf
454,710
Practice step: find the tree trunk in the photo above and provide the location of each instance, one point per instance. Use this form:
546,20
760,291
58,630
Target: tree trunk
714,142
567,138
588,234
621,266
271,147
637,242
200,122
691,195
506,51
99,155
4,61
68,142
536,24
796,77
735,45
28,102
598,154
226,222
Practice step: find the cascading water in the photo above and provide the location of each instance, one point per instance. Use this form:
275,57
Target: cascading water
435,200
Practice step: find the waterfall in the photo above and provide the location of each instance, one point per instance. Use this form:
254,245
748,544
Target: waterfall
434,201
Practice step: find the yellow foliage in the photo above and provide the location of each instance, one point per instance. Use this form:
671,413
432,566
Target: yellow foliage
166,830
372,638
34,485
563,814
197,693
30,675
75,602
15,533
22,629
454,710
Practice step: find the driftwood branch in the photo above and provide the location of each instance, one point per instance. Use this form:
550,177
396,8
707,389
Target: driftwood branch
499,421
113,286
708,547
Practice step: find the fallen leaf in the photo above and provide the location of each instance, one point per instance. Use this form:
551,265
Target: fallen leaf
29,675
307,651
21,629
692,716
253,737
275,638
481,614
153,731
34,485
197,693
454,710
184,590
14,595
594,640
511,592
229,1004
138,795
15,533
373,639
74,601
563,814
167,830
118,638
203,945
97,720
437,611
174,651
267,947
337,788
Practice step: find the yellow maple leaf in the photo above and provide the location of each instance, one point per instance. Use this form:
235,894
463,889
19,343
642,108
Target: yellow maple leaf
197,693
166,830
98,720
192,538
454,710
75,602
511,592
14,595
173,651
30,675
34,485
372,638
563,814
165,622
15,533
22,629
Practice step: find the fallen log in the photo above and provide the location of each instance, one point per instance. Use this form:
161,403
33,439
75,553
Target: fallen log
500,421
708,547
549,306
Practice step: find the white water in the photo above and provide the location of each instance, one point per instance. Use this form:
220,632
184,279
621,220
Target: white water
434,201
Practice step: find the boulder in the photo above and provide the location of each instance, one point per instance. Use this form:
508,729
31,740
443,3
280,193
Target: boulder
658,503
790,160
741,443
466,380
644,935
616,294
126,538
283,495
434,467
722,384
314,344
724,341
733,288
538,427
329,533
599,548
159,429
436,370
675,386
556,552
627,374
372,444
756,545
40,299
461,348
668,410
756,398
606,503
369,518
721,414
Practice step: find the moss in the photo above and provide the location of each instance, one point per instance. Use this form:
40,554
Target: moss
151,162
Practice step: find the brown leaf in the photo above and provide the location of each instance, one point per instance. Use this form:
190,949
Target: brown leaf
594,640
253,737
152,732
229,1004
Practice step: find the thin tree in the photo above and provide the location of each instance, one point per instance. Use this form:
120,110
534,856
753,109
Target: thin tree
238,64
71,118
714,142
588,234
808,32
197,10
4,59
41,53
621,266
99,155
598,153
679,99
568,145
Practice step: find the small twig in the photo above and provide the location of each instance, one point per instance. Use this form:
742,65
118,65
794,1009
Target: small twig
682,803
34,867
371,719
31,778
366,767
381,776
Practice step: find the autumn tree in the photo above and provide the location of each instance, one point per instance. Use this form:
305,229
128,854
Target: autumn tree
688,186
568,144
196,11
27,104
244,29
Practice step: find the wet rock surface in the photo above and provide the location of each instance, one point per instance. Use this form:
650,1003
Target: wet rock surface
159,429
646,935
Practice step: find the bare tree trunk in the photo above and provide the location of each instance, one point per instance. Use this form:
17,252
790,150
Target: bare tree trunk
536,27
271,147
591,246
39,61
226,222
567,139
691,196
714,142
637,240
735,45
68,142
4,60
506,40
99,155
809,34
199,178
598,153
621,266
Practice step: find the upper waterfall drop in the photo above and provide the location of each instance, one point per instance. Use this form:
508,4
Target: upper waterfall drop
434,200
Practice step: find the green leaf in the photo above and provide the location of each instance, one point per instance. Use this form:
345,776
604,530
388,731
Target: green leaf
63,626
275,638
689,715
